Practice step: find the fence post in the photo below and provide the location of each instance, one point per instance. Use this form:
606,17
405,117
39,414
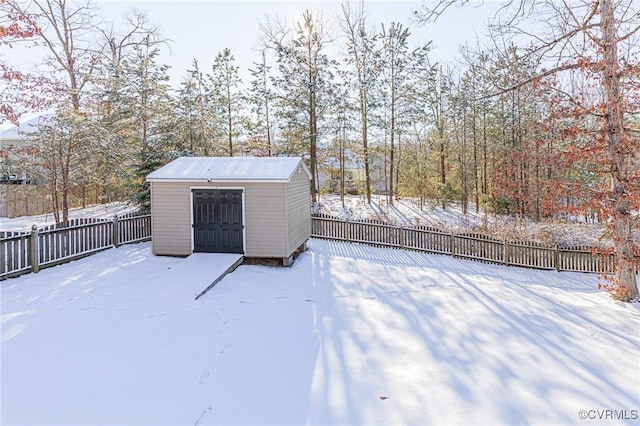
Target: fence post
34,250
451,243
556,257
505,253
115,232
347,230
401,236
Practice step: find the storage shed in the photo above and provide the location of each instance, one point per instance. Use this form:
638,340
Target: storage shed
255,206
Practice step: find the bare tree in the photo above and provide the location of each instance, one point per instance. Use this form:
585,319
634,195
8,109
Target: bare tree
15,29
67,32
599,39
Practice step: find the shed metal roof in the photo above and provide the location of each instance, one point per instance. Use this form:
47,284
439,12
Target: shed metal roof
213,169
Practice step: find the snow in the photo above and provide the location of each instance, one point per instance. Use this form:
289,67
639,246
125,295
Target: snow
408,212
105,211
228,169
349,334
200,270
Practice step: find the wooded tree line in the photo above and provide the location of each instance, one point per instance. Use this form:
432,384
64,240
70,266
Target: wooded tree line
540,119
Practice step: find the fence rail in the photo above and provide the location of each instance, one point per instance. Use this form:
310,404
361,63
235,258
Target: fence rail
476,247
25,252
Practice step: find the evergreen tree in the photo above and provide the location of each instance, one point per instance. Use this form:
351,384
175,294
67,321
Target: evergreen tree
114,107
363,69
261,99
224,98
148,99
304,84
194,119
396,87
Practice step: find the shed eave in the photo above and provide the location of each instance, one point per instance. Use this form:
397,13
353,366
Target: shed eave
225,181
306,170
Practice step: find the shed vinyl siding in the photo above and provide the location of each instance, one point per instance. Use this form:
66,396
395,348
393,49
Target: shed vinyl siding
264,216
171,218
276,202
265,219
298,202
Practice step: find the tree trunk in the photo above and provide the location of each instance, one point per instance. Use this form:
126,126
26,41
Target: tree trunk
229,120
463,170
443,172
342,171
476,186
391,155
399,157
626,284
313,149
365,147
266,114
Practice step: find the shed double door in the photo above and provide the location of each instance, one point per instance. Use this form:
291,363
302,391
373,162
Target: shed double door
217,221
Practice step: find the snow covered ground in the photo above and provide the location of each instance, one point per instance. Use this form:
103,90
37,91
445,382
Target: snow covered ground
108,210
407,211
348,335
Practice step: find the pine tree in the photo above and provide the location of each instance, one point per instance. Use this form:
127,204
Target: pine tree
194,119
304,84
223,97
148,101
396,86
261,98
363,68
113,102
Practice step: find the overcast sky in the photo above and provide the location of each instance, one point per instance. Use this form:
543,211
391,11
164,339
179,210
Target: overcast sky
201,29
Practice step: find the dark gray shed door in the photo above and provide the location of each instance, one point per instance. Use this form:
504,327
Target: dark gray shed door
217,221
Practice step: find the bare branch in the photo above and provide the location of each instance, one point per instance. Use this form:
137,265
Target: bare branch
530,80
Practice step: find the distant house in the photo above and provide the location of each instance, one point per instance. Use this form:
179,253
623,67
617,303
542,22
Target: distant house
330,174
12,142
22,186
255,206
17,200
